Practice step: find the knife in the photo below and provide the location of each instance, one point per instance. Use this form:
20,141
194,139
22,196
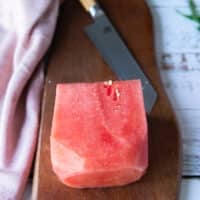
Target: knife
114,51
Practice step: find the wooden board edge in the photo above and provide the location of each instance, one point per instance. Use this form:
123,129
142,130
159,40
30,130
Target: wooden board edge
38,149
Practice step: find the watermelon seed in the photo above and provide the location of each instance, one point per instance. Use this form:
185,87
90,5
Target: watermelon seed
105,84
108,85
110,82
116,94
109,90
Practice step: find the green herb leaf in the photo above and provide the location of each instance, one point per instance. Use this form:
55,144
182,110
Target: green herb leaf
191,17
194,16
193,8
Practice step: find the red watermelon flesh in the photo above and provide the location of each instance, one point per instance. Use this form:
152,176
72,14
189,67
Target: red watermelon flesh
99,134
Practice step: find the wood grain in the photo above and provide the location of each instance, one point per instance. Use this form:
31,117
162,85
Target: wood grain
73,58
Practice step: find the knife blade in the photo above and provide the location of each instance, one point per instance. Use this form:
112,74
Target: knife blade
115,53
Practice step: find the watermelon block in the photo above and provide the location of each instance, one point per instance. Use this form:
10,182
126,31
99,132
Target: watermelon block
99,134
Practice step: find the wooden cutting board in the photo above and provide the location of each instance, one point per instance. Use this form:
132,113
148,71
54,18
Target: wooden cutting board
73,58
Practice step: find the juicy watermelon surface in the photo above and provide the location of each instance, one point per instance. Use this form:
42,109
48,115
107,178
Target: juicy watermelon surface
99,134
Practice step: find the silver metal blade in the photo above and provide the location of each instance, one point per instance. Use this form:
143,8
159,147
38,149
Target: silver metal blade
118,57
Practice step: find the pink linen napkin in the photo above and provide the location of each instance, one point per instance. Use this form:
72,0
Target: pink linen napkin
26,30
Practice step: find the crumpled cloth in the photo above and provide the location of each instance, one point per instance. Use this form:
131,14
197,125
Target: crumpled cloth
26,30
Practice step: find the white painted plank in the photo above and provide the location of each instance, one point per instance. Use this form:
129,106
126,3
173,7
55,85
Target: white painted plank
181,62
170,3
190,189
173,32
190,128
178,55
183,89
180,75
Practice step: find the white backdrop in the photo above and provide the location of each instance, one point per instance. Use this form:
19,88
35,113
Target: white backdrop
178,56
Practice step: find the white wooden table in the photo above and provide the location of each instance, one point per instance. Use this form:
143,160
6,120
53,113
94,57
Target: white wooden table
178,58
